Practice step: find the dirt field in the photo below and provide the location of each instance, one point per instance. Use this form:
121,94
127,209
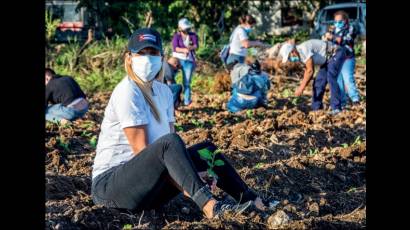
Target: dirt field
313,163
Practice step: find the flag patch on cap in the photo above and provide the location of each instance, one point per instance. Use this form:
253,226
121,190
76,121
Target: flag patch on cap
144,37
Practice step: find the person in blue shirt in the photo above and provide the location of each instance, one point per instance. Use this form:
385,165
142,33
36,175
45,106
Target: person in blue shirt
344,34
249,87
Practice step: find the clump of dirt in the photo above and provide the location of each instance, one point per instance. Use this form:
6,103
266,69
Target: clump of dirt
311,162
222,82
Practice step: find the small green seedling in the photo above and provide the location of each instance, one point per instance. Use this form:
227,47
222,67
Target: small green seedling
179,128
345,145
286,93
352,190
127,227
197,123
313,152
93,141
295,101
357,141
86,134
209,156
86,124
258,165
64,143
249,114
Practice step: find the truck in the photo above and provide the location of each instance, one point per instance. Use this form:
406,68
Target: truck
74,23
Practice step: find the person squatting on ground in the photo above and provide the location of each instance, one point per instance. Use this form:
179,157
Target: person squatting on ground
249,87
140,162
344,34
239,40
170,69
329,57
67,101
184,44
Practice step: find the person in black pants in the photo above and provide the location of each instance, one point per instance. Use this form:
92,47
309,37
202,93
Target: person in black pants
140,162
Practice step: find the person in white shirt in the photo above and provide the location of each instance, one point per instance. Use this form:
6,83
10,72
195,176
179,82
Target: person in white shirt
239,40
329,57
140,162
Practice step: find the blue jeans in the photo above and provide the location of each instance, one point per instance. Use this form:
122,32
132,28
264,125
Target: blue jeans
328,73
188,68
236,103
176,90
233,57
57,112
347,82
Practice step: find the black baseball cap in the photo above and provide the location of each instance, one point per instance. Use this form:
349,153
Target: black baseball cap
145,37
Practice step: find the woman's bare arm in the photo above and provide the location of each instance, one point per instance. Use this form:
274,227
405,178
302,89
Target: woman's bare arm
137,138
307,76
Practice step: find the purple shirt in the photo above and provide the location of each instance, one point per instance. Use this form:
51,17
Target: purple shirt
177,41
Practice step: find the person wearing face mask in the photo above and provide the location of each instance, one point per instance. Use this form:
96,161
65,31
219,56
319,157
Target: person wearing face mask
65,101
329,57
170,69
344,35
184,44
239,40
140,162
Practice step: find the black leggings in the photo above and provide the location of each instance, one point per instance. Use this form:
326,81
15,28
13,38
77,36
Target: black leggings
149,179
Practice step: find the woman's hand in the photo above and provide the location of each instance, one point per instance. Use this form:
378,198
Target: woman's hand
299,91
205,178
192,48
182,50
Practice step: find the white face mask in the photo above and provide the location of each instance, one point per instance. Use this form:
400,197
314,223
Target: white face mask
146,67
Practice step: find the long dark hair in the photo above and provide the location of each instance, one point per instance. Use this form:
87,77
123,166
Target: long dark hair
246,18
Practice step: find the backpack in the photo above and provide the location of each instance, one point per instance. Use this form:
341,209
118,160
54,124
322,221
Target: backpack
224,54
245,85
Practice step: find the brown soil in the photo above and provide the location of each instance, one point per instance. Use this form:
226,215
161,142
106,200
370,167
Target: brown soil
308,161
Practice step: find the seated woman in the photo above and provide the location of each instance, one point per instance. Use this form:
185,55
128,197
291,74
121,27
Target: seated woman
65,101
140,162
249,87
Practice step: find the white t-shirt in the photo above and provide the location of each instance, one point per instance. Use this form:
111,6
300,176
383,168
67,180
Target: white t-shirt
238,71
126,108
236,47
314,48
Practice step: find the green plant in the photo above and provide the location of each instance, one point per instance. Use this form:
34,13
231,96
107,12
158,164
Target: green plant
93,141
302,35
345,145
250,114
179,128
51,26
357,141
313,151
63,142
352,190
295,100
209,156
358,49
286,93
197,123
86,134
127,227
258,165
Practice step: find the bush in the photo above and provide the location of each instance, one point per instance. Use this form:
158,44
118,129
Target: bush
98,68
